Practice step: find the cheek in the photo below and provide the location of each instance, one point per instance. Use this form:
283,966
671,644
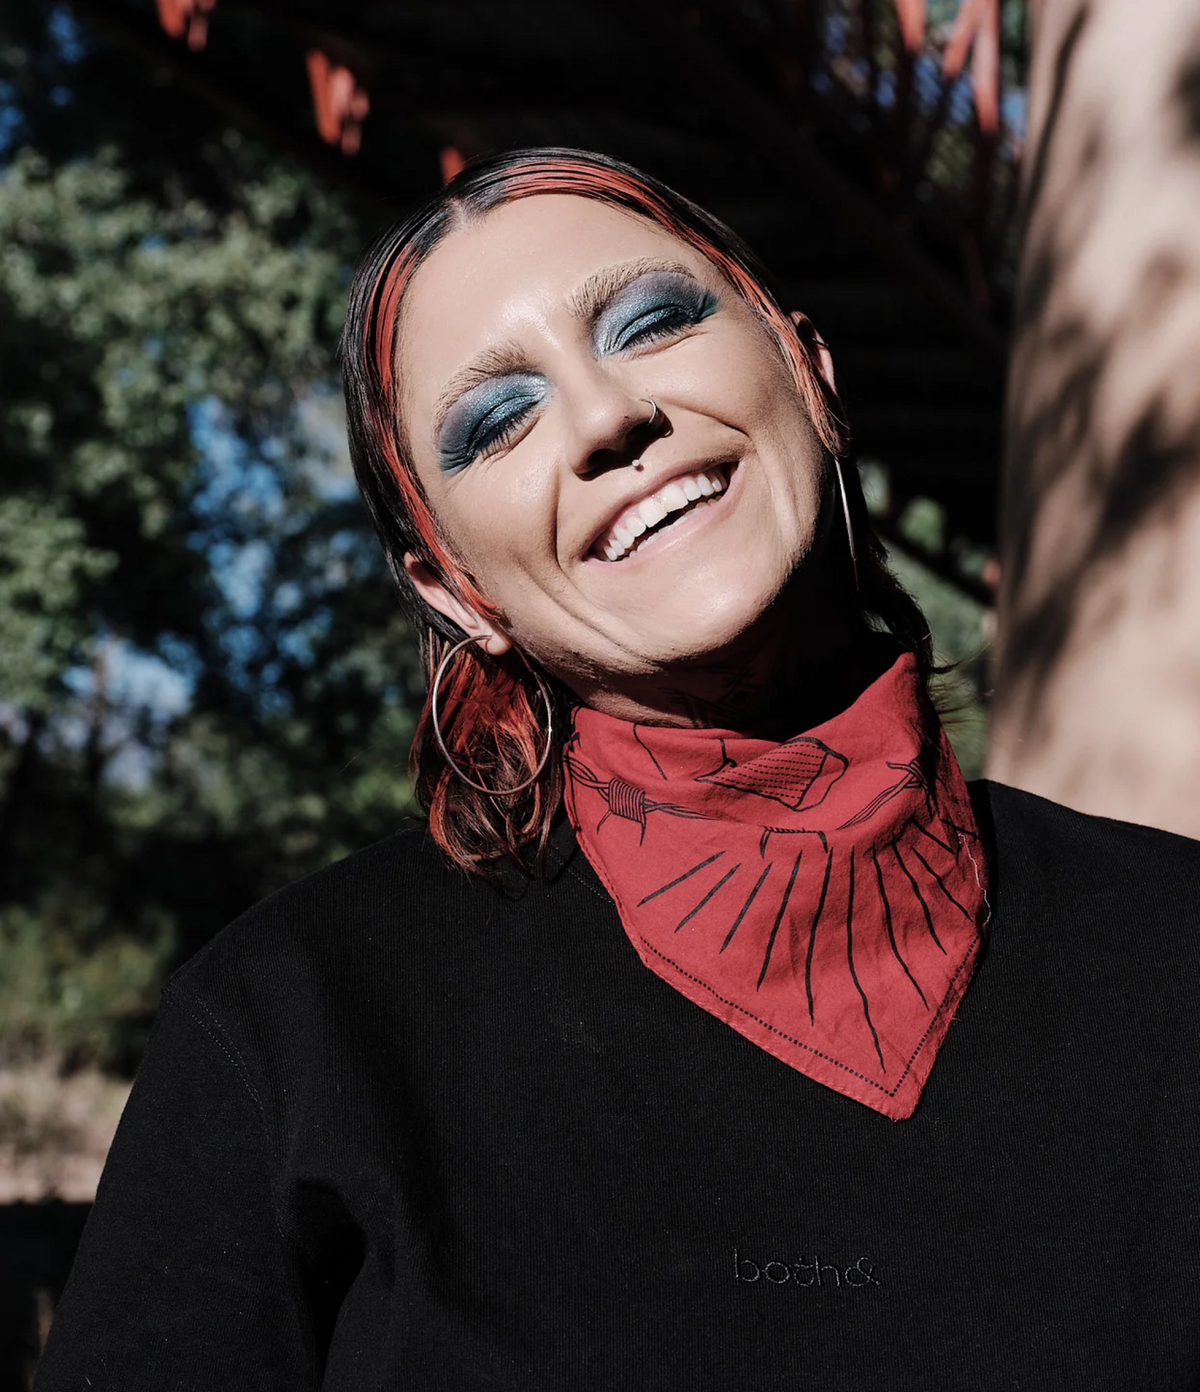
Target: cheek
791,455
792,476
780,410
746,382
500,524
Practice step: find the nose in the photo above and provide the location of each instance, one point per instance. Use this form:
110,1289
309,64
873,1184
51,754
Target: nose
609,424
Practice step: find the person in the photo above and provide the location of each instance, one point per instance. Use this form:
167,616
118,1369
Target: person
711,1033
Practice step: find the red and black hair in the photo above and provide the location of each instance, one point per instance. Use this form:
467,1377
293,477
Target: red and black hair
492,717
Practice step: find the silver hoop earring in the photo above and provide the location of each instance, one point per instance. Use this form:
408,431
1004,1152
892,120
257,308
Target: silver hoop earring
837,464
437,728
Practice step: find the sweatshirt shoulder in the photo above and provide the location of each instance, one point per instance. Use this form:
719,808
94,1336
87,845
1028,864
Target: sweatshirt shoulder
1045,847
350,918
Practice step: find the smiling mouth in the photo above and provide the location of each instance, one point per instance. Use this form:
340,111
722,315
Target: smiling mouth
661,510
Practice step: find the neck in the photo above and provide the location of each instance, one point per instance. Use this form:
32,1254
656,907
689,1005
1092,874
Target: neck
805,660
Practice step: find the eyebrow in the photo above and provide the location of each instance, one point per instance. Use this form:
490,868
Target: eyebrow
497,361
585,303
598,289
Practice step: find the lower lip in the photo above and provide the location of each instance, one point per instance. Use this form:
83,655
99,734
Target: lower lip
683,530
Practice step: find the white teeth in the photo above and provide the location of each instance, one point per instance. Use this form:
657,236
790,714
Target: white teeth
672,497
651,511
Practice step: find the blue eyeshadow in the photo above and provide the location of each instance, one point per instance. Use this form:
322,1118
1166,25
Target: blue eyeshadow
486,414
653,306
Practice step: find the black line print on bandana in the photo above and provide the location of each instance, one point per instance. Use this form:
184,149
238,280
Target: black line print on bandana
758,884
679,879
783,903
769,831
914,777
891,932
937,840
710,897
691,913
850,959
812,934
625,801
802,762
916,889
941,884
650,752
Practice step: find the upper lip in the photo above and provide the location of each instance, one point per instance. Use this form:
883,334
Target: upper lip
641,494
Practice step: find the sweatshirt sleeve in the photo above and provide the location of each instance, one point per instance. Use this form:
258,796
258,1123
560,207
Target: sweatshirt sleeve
183,1279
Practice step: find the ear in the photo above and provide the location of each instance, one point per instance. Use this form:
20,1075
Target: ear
446,602
806,331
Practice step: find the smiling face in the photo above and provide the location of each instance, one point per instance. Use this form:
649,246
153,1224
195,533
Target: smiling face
623,552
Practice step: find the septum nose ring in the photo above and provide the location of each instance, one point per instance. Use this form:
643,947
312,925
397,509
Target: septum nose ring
655,413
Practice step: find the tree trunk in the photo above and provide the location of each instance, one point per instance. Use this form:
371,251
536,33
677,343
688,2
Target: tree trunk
1098,652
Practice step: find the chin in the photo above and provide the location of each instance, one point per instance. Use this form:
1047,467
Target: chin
683,629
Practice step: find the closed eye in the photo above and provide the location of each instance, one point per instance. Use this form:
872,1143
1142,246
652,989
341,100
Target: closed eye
487,418
657,306
500,427
656,324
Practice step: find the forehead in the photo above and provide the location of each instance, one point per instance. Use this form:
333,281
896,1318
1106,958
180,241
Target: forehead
515,269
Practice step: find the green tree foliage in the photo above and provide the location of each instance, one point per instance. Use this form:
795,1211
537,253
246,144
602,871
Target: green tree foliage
205,687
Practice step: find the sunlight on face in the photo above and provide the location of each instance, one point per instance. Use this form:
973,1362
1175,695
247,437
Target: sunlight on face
530,345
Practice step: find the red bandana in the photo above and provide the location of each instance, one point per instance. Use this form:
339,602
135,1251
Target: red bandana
823,896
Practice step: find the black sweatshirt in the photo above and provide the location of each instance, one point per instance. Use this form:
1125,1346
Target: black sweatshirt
396,1129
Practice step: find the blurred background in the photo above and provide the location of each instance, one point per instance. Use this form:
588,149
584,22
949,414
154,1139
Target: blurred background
205,687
